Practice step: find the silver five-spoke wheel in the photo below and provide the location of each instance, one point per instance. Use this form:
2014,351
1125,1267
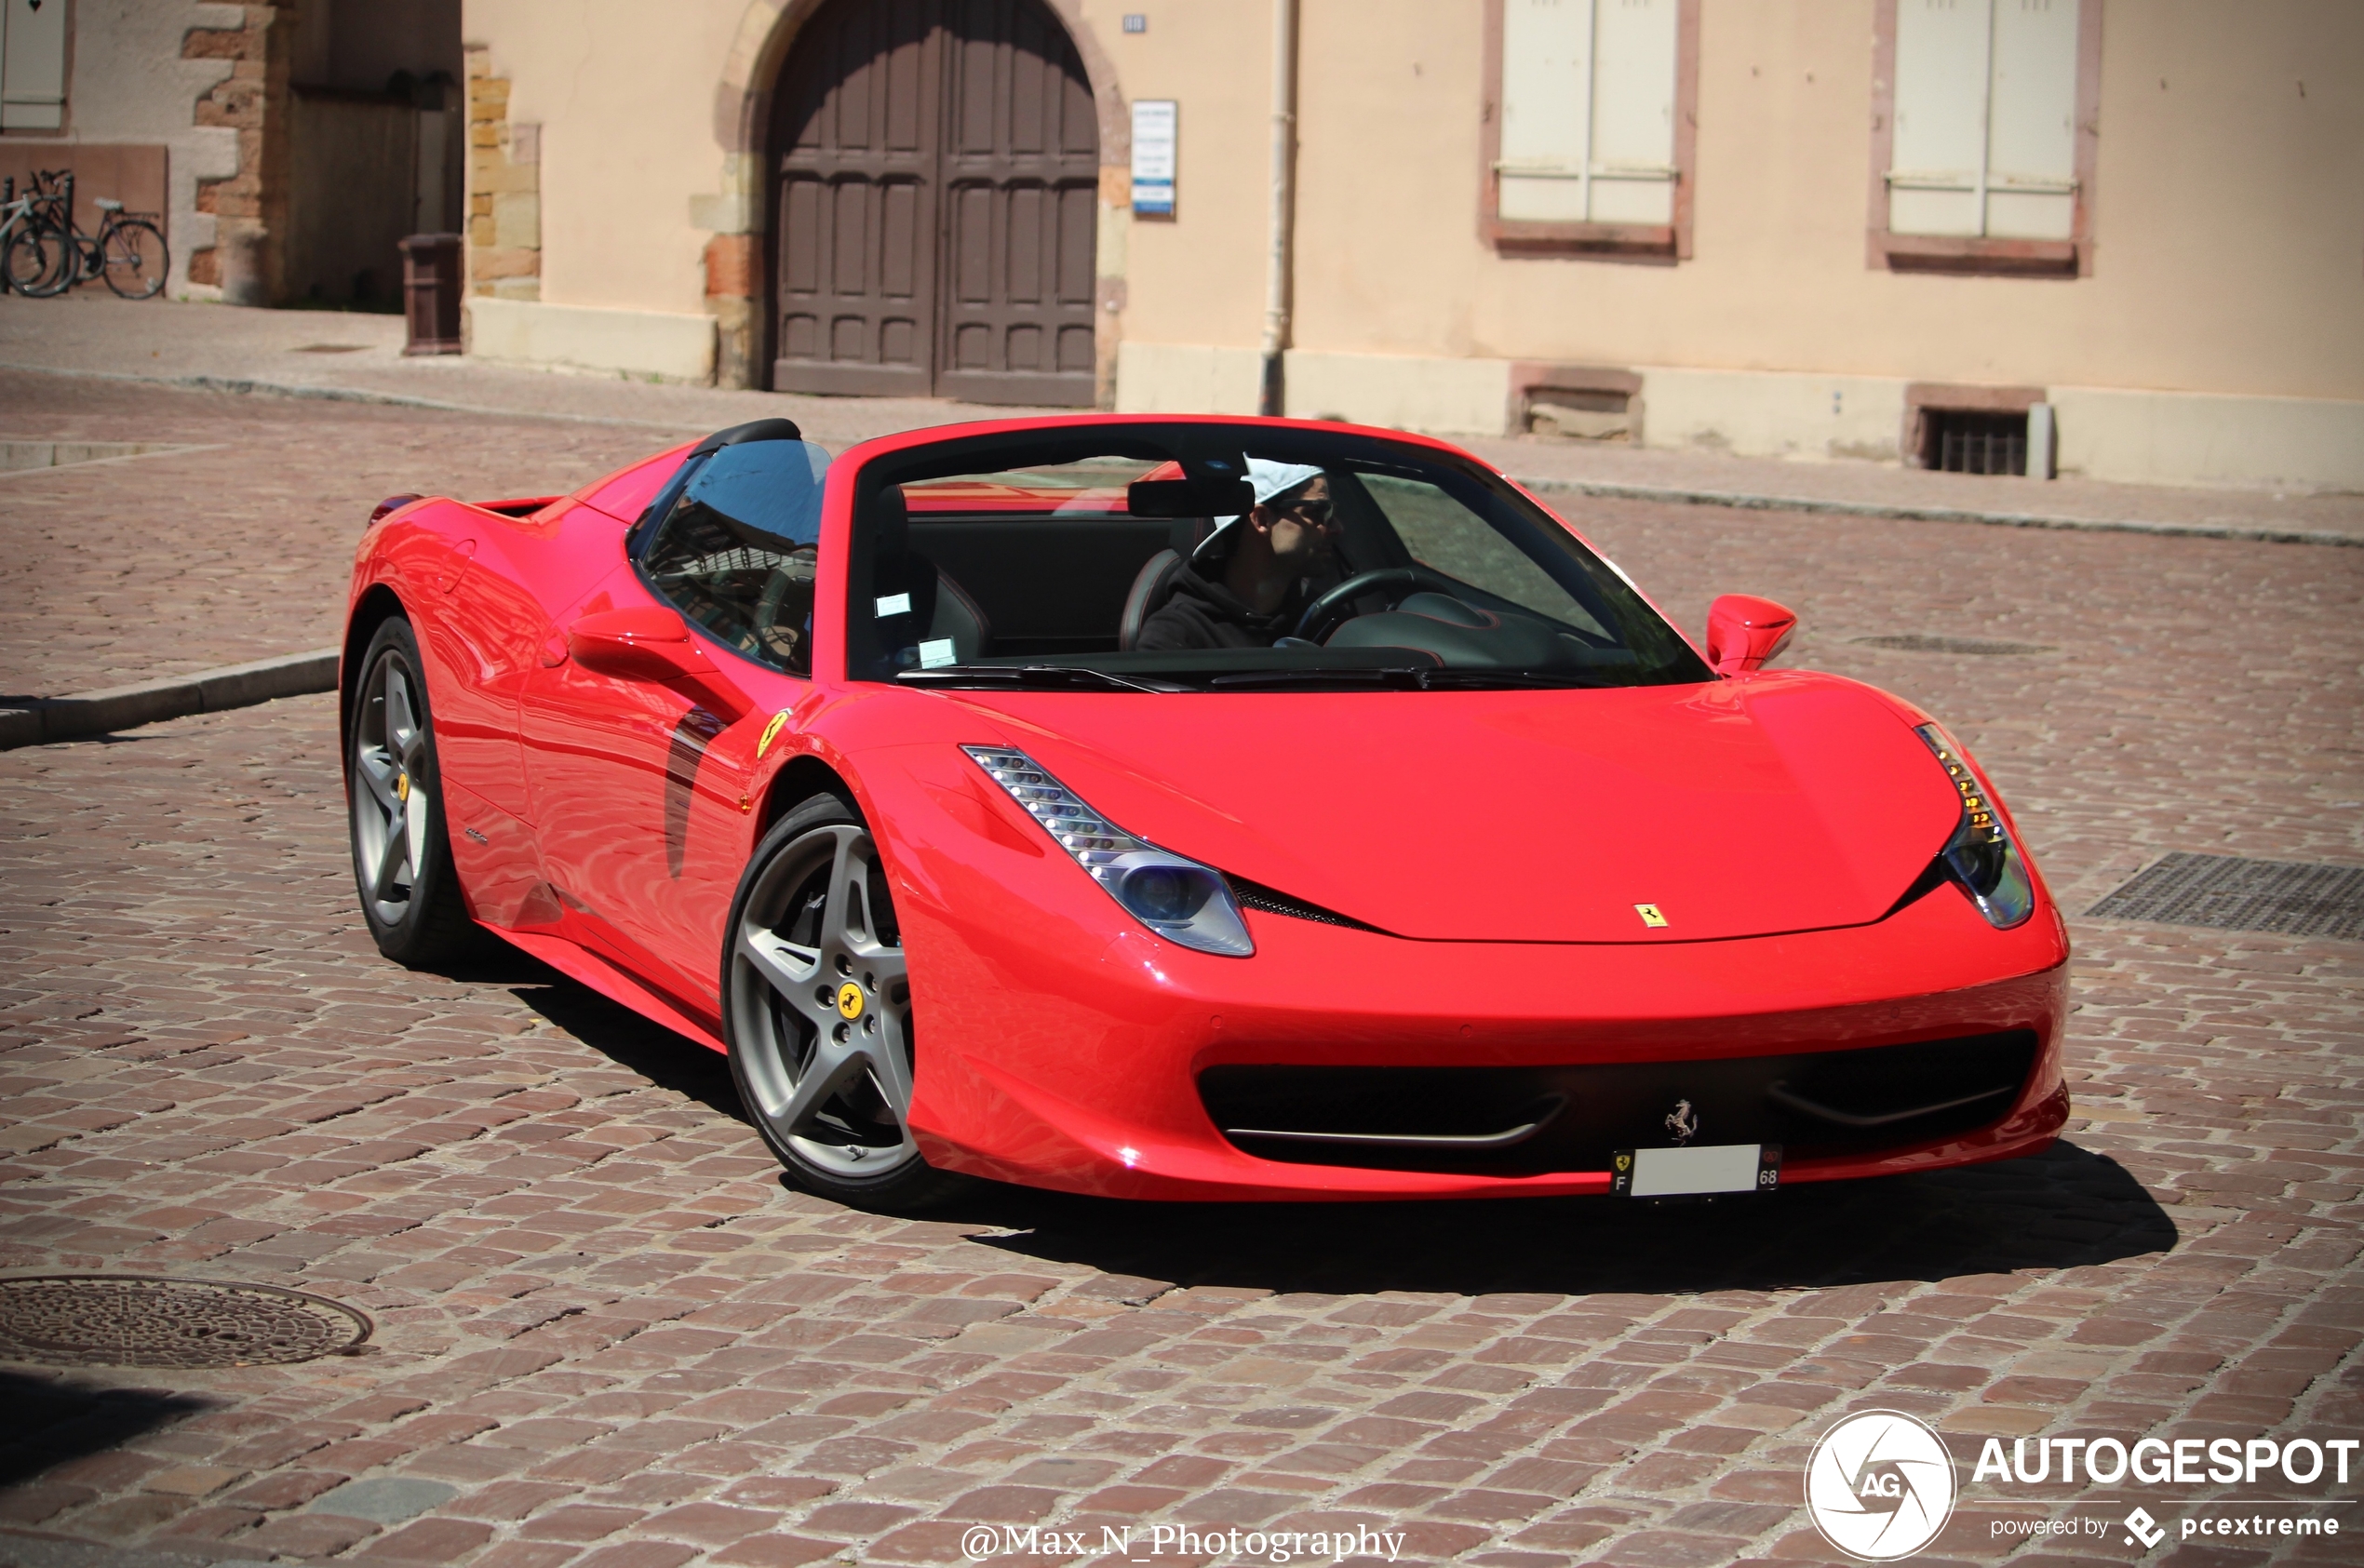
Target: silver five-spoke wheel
401,859
389,813
819,1006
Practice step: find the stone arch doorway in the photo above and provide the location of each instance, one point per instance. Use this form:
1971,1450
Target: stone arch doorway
936,176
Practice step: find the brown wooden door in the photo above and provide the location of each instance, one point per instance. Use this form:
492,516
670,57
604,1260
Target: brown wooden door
857,116
936,206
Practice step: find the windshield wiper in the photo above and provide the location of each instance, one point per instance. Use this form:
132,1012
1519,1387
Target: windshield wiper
1038,675
1462,680
1418,680
1403,680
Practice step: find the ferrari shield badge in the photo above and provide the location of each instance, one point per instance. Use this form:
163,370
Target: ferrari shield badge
850,1001
771,733
1650,915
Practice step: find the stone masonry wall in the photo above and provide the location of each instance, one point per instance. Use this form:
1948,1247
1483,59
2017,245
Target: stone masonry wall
252,101
504,190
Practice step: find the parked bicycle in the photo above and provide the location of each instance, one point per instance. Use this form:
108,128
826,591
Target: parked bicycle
128,252
23,218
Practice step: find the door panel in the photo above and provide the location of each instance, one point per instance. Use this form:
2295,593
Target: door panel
936,204
636,791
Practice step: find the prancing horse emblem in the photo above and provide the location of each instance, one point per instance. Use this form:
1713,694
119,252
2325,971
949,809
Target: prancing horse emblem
1685,1123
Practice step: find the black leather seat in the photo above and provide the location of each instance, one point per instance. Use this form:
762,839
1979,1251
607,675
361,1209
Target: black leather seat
1151,586
941,610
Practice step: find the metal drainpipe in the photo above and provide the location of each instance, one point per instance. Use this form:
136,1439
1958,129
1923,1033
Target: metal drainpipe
1273,399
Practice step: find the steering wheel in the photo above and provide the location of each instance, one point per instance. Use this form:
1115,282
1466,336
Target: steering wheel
1335,604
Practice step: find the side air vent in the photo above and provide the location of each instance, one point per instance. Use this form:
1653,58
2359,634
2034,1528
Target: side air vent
1255,895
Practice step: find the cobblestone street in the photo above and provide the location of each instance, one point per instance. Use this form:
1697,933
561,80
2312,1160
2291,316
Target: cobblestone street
606,1335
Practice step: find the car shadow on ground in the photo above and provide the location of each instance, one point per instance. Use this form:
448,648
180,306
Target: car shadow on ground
2066,1208
54,1419
614,1030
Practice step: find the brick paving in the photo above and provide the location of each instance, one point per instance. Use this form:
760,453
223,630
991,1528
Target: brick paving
608,1337
100,333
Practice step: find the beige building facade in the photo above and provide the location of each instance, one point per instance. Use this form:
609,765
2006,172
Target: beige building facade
1884,230
285,150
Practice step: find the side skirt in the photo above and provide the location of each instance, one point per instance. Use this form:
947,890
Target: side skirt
610,982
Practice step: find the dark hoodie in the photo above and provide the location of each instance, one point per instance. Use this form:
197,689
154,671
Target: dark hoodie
1198,613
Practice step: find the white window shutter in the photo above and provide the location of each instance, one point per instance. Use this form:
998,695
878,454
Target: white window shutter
1941,69
1547,109
33,66
2030,180
1633,111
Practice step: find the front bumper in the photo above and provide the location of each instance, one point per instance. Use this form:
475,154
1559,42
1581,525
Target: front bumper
1057,1045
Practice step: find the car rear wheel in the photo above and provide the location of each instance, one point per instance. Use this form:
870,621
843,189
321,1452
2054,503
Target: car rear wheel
817,1013
402,858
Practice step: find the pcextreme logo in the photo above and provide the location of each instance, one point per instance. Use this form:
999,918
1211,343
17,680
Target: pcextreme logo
1880,1486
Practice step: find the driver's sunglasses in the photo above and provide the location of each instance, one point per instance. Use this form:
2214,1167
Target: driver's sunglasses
1316,510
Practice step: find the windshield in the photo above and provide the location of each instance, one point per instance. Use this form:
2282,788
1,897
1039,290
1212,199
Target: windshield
1210,557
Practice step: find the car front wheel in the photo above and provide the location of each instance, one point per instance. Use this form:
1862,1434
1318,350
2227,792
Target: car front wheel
817,1013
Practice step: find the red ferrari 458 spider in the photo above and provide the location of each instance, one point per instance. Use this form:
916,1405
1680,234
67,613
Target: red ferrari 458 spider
1192,808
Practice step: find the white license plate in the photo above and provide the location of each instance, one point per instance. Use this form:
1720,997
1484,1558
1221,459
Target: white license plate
1675,1173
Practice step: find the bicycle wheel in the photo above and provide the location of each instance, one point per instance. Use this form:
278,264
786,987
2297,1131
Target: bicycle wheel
36,263
134,259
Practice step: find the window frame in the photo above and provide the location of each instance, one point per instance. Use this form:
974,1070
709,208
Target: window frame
1663,244
1980,255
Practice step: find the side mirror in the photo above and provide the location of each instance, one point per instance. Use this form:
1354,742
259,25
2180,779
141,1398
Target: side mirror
649,642
646,642
1743,631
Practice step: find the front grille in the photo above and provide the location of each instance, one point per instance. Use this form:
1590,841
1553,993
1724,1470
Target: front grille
2232,894
1532,1121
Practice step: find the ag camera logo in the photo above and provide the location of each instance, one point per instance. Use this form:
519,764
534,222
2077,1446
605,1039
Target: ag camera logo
1880,1486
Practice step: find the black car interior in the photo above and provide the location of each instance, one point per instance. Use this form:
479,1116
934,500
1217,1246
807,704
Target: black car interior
1012,550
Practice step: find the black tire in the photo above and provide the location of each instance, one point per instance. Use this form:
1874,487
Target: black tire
812,934
394,790
135,259
37,263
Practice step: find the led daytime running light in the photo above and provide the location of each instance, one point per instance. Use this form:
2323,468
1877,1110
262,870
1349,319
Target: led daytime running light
1982,857
1175,897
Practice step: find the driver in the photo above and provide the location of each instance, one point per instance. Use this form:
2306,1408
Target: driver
1280,555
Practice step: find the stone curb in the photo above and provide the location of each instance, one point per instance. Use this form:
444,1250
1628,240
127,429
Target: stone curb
123,707
247,387
1745,501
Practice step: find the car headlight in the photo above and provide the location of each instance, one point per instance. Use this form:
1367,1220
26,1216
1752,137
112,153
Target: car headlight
1984,860
1177,898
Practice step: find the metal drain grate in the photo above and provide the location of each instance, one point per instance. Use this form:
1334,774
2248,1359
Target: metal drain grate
131,1320
2232,894
1923,642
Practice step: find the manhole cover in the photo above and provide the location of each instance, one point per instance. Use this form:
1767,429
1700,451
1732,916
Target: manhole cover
1925,642
130,1321
2231,894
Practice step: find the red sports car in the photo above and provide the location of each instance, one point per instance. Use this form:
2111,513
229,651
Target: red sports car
1192,809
